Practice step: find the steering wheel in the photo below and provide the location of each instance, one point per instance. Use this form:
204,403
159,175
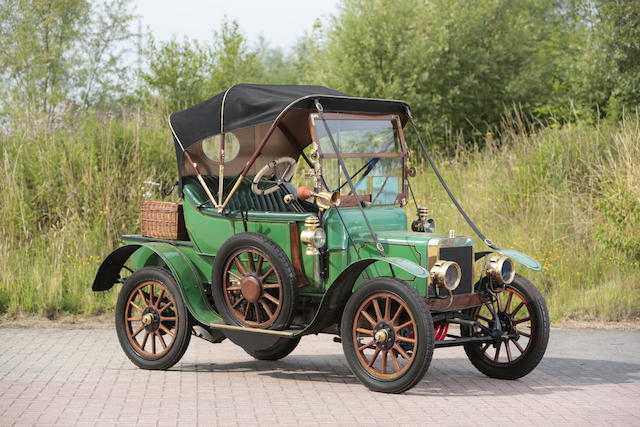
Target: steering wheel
273,170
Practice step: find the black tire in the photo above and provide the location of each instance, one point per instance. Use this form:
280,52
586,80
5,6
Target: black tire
416,357
170,305
284,273
276,352
519,363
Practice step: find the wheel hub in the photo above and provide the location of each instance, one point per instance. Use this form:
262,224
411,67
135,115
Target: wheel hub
381,336
147,319
251,288
505,322
150,319
384,335
507,330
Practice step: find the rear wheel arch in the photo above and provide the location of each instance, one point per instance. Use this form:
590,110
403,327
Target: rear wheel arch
178,265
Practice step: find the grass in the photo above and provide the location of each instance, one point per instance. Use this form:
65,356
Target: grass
568,196
69,190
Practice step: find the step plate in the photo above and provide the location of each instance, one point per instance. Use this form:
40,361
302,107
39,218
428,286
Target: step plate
285,333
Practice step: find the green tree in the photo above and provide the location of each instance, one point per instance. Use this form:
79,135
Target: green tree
234,61
278,67
184,73
176,72
621,32
371,49
462,64
55,52
103,76
306,56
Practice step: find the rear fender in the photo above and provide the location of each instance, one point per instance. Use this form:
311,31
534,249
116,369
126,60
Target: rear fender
185,274
336,297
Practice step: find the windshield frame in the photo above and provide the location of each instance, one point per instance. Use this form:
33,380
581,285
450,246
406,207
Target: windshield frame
318,156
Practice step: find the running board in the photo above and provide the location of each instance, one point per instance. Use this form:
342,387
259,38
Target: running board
286,333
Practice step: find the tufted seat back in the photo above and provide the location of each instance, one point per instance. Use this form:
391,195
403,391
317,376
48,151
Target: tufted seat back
244,198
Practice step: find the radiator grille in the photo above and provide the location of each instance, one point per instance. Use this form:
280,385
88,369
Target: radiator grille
463,255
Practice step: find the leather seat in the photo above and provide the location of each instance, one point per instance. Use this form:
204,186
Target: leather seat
244,198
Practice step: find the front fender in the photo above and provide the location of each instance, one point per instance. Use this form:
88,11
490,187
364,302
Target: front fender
404,264
182,270
522,258
336,297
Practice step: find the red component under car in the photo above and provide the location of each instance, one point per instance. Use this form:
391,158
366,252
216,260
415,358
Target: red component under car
440,330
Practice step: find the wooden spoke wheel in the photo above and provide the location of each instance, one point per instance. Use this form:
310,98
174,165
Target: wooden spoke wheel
151,319
520,314
254,283
252,288
384,335
387,335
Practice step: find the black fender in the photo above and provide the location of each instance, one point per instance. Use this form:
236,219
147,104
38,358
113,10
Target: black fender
109,272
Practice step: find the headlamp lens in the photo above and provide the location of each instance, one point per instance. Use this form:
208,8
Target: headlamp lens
319,238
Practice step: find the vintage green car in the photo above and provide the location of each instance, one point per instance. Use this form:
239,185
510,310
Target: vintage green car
264,263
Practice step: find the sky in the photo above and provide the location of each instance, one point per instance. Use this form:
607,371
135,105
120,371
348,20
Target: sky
280,22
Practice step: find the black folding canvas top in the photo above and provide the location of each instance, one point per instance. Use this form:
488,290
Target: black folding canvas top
246,105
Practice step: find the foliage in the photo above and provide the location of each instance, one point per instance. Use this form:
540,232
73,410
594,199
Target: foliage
621,34
619,187
278,67
184,73
370,49
70,189
461,64
60,52
550,195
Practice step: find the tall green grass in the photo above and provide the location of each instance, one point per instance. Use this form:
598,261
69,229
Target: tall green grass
569,196
566,195
69,189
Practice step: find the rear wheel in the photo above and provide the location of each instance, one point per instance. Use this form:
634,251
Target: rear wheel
276,352
152,322
254,283
522,312
387,335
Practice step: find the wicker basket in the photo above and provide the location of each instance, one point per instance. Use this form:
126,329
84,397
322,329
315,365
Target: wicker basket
162,220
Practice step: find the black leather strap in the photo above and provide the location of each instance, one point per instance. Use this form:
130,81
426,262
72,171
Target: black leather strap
446,188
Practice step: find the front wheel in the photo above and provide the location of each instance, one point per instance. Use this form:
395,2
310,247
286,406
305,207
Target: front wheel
152,322
522,313
387,335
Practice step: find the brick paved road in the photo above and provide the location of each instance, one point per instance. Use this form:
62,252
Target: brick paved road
80,376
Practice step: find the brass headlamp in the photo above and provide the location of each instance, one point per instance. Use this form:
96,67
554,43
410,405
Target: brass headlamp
446,274
501,268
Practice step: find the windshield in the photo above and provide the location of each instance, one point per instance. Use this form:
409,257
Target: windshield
372,152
